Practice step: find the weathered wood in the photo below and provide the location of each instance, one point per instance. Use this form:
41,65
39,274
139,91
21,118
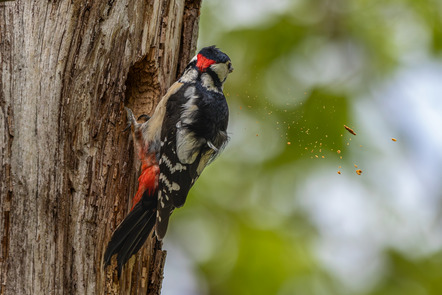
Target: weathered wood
67,69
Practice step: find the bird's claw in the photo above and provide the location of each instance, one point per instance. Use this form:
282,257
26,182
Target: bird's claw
131,119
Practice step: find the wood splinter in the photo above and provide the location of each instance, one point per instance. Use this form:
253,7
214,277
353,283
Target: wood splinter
349,130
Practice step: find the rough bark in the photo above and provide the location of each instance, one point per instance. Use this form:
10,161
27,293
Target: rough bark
67,171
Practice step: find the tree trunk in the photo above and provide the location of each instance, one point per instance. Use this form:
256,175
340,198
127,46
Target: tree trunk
68,172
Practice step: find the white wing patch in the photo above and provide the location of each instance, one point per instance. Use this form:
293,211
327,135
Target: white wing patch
170,186
207,82
187,144
172,168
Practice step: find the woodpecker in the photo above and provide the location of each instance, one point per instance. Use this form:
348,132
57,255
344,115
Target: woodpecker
187,131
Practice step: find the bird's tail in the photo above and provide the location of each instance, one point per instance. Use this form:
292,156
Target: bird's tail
131,234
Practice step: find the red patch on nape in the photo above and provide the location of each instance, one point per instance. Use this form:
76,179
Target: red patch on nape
203,62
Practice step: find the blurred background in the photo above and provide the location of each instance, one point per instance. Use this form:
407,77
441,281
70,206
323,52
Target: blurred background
283,210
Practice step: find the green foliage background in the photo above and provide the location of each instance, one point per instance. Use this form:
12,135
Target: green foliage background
300,73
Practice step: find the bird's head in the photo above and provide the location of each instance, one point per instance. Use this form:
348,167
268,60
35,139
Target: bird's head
212,66
212,59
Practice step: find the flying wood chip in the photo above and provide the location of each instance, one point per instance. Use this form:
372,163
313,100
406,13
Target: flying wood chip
349,130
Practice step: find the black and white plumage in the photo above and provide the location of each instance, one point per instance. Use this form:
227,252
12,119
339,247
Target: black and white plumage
190,140
187,131
193,136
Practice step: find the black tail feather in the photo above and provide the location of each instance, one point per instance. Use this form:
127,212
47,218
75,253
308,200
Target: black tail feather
135,239
144,233
131,234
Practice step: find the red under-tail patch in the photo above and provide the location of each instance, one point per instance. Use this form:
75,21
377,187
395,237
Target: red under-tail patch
203,62
148,179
